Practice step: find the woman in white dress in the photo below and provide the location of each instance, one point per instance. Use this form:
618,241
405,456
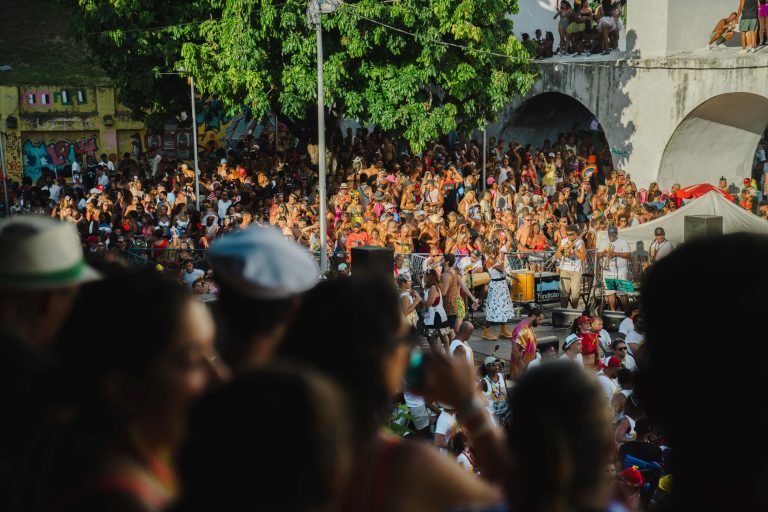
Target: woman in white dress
498,305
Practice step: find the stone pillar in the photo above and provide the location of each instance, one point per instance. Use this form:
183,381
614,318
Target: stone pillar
106,111
661,28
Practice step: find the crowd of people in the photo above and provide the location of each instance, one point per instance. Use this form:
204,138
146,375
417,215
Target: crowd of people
120,391
538,208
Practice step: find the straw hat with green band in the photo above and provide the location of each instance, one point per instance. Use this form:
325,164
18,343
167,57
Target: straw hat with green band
41,253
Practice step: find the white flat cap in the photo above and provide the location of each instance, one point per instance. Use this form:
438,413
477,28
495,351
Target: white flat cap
261,263
41,253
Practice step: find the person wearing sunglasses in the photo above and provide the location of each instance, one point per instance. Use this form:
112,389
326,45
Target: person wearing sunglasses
620,350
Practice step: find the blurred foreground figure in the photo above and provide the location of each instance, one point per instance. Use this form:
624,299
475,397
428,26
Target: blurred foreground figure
262,276
128,392
248,448
717,431
368,359
560,441
41,269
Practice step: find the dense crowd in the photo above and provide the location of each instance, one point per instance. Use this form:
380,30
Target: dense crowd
120,392
142,208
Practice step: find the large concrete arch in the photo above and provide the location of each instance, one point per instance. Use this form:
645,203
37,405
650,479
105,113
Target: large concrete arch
717,138
543,116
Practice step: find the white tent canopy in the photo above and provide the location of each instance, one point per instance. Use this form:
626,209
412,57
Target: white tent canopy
735,220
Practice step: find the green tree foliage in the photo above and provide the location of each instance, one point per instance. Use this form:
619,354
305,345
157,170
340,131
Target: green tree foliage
418,67
137,43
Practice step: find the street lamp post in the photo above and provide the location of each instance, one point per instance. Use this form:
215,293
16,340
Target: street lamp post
314,11
194,142
485,154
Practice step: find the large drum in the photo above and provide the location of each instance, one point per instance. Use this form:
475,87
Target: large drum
477,279
523,286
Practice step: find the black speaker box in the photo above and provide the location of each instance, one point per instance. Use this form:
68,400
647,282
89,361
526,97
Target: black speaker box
562,317
373,259
612,320
702,226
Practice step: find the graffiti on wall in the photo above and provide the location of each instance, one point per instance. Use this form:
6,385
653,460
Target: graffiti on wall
54,154
217,129
13,156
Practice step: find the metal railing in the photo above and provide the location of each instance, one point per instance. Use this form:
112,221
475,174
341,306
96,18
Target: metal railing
537,261
169,259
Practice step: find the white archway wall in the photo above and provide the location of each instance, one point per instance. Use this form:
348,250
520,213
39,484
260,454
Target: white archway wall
545,116
717,139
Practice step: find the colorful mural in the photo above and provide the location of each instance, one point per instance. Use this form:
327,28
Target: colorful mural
56,153
13,164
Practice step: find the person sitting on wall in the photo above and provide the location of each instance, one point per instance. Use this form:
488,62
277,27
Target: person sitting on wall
723,32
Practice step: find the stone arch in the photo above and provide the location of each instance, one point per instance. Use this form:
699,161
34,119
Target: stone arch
548,113
717,138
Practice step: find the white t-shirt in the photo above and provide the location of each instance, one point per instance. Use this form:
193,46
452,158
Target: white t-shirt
189,278
223,206
445,423
626,325
629,362
466,264
608,386
578,359
467,350
633,337
571,263
54,191
619,245
662,249
536,362
154,163
504,174
463,461
604,338
412,400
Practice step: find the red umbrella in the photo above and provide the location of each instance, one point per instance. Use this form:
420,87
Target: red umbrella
695,191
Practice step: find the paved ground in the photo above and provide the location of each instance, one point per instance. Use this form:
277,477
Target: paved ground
484,348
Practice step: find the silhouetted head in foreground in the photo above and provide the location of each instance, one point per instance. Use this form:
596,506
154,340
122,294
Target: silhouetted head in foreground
703,366
560,439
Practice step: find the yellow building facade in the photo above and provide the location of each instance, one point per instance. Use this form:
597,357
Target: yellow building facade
51,126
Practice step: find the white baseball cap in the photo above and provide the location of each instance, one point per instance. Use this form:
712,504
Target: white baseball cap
261,263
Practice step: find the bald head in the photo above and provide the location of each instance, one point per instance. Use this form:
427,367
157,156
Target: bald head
465,330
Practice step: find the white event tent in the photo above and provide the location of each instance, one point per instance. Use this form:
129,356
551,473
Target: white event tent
735,220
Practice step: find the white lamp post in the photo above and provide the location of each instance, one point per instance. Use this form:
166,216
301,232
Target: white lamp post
315,10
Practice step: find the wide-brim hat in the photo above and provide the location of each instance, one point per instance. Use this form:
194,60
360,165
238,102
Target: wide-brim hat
39,253
378,196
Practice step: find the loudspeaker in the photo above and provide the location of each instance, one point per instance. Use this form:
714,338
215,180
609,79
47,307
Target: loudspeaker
562,317
702,226
373,259
612,320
